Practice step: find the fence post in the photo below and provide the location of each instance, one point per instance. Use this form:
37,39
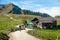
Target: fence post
57,37
49,37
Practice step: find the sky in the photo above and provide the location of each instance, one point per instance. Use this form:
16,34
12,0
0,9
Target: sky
51,7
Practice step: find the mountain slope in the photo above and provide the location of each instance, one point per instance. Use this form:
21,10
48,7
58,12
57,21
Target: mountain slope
10,8
13,9
6,8
35,13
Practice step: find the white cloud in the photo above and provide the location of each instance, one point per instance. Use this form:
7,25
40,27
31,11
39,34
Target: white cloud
23,8
53,11
27,2
15,3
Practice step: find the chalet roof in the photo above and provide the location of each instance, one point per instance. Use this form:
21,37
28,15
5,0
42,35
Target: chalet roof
46,19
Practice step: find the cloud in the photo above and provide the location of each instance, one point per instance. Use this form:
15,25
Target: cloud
53,11
50,7
23,8
27,2
15,3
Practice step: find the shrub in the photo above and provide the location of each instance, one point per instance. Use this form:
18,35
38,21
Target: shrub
3,36
58,26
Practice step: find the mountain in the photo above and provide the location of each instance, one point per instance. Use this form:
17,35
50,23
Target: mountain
10,8
13,9
28,12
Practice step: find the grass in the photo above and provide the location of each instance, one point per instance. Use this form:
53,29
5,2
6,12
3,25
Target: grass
6,23
58,21
46,34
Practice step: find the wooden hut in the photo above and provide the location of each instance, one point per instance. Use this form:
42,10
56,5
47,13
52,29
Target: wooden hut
45,22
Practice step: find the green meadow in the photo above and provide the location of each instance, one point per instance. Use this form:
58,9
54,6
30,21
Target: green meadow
47,34
8,21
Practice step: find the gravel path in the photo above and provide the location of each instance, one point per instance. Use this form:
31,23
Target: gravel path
21,35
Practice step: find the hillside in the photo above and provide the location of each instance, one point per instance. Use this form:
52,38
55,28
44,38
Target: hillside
13,9
8,21
10,8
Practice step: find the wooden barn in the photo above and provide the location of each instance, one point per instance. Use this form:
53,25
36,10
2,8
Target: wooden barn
45,22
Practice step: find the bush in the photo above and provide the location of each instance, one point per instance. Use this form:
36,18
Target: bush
58,27
3,36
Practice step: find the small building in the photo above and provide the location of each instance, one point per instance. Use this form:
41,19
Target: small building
45,22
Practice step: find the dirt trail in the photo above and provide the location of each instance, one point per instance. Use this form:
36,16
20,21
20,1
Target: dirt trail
21,35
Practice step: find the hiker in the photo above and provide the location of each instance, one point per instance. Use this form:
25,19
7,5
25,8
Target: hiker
20,28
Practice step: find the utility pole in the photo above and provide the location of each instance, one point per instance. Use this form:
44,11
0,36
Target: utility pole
22,12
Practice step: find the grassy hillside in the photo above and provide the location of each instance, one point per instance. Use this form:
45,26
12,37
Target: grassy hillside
11,20
6,8
8,21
